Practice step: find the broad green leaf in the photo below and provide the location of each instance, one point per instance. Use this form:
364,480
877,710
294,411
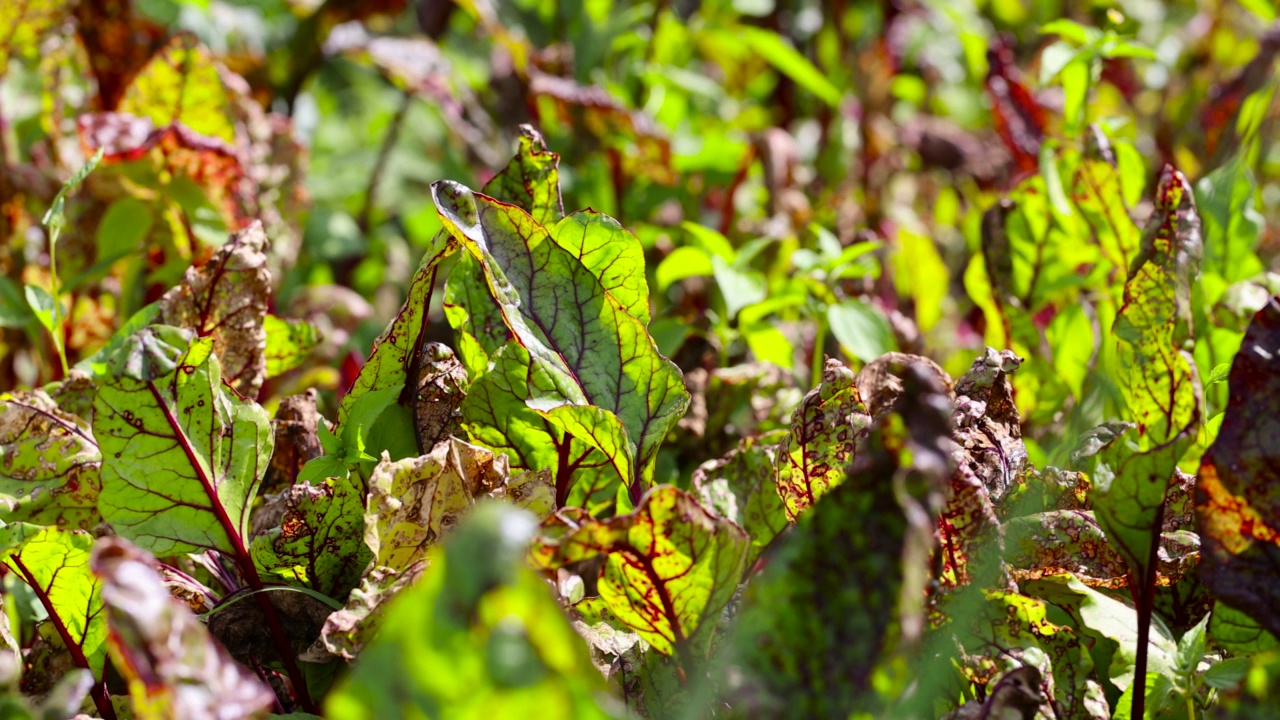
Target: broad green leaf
1098,195
319,543
479,636
49,464
496,415
592,349
740,487
1232,224
531,181
1062,541
1237,498
25,22
822,624
683,262
44,306
738,287
824,430
611,253
174,668
226,300
289,342
182,454
1157,379
98,364
54,563
861,329
670,566
790,62
1238,633
181,84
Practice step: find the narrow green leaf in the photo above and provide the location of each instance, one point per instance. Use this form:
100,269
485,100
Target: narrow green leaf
670,567
44,306
593,350
779,53
182,454
49,464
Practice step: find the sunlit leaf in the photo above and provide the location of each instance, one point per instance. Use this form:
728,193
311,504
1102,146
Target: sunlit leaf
319,542
289,342
669,567
182,454
181,84
49,464
741,487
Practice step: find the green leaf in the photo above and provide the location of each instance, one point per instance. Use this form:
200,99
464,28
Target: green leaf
181,84
919,273
182,454
740,487
861,329
479,635
1237,498
1157,378
1232,224
289,342
670,567
15,310
1097,191
779,53
174,668
319,543
1238,633
738,287
44,306
684,262
55,564
824,430
611,253
593,350
49,464
98,363
497,415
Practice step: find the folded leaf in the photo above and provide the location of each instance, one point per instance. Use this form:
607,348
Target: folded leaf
226,300
182,454
670,567
1237,497
319,542
824,430
173,667
49,464
594,350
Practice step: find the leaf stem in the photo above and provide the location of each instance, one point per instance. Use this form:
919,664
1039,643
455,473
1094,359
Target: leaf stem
99,690
241,558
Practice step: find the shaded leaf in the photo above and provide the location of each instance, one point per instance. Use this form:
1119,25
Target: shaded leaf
442,386
483,634
670,567
182,454
319,542
1236,497
594,351
49,464
741,487
824,430
172,665
226,300
839,599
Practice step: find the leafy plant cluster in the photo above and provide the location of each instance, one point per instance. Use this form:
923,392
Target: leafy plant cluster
969,415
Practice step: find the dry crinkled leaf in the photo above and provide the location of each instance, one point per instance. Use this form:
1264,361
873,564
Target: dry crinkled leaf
347,631
226,299
173,667
880,387
49,464
824,431
442,386
296,426
1237,498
